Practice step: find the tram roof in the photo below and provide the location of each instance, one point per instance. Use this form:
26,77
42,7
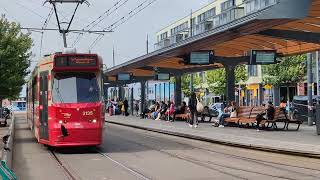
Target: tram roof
290,27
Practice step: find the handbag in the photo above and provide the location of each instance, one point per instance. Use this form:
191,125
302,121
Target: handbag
233,114
200,106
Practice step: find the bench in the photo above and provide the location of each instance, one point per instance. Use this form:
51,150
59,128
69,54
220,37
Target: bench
279,116
207,112
183,116
252,117
293,120
243,112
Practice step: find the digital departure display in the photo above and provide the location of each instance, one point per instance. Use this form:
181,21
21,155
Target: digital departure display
199,58
124,77
75,61
261,57
162,76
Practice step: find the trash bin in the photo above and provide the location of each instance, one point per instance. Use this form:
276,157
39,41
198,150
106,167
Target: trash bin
318,118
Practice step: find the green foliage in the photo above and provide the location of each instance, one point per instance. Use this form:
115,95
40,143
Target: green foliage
216,79
290,70
185,83
14,58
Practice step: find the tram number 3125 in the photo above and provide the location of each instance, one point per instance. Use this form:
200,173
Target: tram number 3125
87,113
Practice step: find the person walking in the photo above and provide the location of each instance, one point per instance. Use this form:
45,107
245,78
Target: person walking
126,106
193,110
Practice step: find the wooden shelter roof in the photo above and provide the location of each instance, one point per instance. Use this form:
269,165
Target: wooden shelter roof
295,30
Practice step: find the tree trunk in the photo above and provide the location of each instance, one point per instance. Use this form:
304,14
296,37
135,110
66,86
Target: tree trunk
288,93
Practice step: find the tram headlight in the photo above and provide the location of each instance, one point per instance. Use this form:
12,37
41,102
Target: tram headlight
60,122
94,121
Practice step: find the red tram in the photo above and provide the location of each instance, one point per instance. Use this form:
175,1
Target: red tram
64,100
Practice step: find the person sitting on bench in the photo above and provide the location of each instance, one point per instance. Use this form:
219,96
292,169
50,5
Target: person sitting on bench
181,110
269,113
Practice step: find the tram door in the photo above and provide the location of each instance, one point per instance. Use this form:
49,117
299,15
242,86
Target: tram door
44,134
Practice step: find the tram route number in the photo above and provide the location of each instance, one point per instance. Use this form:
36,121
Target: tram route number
87,113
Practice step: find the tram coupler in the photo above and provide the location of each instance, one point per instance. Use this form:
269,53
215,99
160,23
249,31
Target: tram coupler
64,131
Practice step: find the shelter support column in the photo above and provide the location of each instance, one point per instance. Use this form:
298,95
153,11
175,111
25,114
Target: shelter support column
120,93
143,96
276,95
177,90
131,101
231,80
261,94
106,94
310,81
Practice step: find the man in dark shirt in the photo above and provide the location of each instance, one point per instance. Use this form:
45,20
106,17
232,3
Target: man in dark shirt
269,112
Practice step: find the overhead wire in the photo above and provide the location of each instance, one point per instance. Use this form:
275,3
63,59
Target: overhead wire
124,19
107,13
30,10
99,19
45,24
9,14
130,15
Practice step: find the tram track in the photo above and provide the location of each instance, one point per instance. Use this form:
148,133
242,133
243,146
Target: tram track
125,167
65,169
72,176
253,160
209,164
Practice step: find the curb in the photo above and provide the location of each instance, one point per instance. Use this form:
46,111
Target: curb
7,154
224,142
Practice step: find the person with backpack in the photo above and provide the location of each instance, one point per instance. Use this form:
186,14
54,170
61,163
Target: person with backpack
125,107
193,106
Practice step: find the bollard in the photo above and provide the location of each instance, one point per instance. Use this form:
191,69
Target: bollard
318,118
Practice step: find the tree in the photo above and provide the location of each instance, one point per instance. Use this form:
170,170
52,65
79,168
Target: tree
185,83
14,58
217,78
289,71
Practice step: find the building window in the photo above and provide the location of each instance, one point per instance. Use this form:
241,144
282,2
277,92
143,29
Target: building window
255,5
227,4
252,70
206,15
164,36
179,28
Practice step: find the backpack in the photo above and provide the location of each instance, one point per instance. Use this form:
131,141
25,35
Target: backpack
200,106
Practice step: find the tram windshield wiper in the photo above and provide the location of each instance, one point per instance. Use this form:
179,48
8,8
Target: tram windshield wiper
58,92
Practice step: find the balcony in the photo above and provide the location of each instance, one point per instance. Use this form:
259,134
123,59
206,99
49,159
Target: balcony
227,16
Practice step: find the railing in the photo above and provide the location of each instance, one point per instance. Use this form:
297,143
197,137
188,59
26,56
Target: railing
229,15
252,6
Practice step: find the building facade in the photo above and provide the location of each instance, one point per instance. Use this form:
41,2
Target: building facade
211,16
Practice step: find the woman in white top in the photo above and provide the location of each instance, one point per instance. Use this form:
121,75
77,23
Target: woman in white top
230,109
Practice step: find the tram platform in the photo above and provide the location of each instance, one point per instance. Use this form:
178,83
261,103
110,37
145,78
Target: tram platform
304,142
32,161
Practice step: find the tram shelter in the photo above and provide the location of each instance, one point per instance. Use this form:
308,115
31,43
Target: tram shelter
289,27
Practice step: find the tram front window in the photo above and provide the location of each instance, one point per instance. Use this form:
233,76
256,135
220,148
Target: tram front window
71,87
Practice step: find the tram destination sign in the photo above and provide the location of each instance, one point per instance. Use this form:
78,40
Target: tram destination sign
261,57
75,61
199,58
